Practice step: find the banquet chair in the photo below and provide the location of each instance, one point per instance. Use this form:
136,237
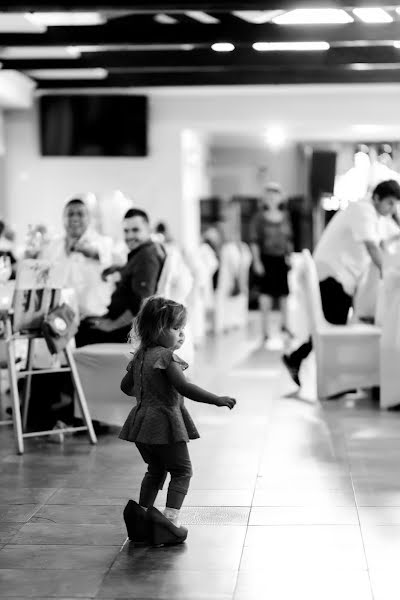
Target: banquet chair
231,308
347,356
37,291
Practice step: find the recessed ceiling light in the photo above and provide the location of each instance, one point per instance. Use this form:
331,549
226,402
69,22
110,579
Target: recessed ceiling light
275,136
223,47
258,17
67,73
290,46
373,66
57,19
314,16
202,17
133,48
19,23
38,52
373,15
165,19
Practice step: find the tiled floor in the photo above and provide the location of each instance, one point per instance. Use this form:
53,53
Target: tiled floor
290,499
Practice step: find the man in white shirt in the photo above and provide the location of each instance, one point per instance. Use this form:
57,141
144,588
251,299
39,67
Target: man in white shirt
347,246
85,253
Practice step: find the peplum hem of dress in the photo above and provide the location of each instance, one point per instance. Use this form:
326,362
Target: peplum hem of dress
160,416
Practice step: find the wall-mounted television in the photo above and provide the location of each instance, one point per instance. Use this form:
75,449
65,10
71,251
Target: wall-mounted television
93,125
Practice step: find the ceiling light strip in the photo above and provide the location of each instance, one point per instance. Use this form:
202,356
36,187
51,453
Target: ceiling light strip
314,16
291,46
202,17
373,15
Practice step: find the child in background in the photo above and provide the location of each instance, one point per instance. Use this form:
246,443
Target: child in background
160,424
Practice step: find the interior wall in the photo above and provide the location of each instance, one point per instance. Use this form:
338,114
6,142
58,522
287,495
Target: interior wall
243,170
37,187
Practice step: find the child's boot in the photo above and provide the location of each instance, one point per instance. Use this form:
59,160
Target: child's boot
137,525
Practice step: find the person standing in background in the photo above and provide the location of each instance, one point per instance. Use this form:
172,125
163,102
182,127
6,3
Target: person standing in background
348,245
271,246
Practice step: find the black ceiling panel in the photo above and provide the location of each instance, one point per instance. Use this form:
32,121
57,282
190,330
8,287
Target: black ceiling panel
137,50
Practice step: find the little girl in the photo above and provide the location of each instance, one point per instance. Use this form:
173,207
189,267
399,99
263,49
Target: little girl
160,424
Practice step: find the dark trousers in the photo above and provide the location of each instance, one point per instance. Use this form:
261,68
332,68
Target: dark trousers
89,335
161,460
335,305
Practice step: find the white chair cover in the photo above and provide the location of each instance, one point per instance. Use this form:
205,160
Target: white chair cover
101,368
202,263
175,283
347,356
232,310
390,342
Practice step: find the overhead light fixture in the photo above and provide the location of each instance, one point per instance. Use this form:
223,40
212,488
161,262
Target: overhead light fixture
257,17
59,19
373,66
396,44
132,48
165,19
202,17
19,23
39,52
314,16
68,73
223,47
373,15
290,46
275,137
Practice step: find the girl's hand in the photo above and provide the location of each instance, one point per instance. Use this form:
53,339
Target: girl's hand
226,401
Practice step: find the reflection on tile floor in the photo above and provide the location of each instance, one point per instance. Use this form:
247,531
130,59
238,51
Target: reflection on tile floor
290,499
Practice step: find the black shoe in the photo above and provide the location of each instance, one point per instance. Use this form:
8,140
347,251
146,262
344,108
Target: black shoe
164,532
137,525
293,369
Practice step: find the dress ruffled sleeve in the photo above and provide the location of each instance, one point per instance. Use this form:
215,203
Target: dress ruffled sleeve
165,357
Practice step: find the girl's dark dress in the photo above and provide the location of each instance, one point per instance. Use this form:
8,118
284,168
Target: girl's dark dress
160,416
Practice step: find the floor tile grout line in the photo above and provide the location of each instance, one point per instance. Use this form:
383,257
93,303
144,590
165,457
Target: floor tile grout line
361,530
260,458
344,444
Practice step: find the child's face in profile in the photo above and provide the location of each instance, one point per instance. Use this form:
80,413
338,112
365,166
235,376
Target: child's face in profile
173,337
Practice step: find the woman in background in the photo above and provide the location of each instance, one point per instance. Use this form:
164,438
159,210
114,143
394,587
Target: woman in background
271,246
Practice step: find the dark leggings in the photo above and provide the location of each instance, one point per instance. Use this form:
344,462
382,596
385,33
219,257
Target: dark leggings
335,304
161,460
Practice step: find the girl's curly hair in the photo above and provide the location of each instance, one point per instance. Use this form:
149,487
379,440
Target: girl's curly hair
156,315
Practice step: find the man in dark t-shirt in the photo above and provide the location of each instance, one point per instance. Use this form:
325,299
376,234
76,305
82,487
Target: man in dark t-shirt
139,278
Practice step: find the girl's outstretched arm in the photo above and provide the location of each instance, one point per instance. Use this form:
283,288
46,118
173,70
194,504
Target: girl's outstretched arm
194,392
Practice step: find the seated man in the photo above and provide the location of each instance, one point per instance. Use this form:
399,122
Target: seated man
139,279
84,254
